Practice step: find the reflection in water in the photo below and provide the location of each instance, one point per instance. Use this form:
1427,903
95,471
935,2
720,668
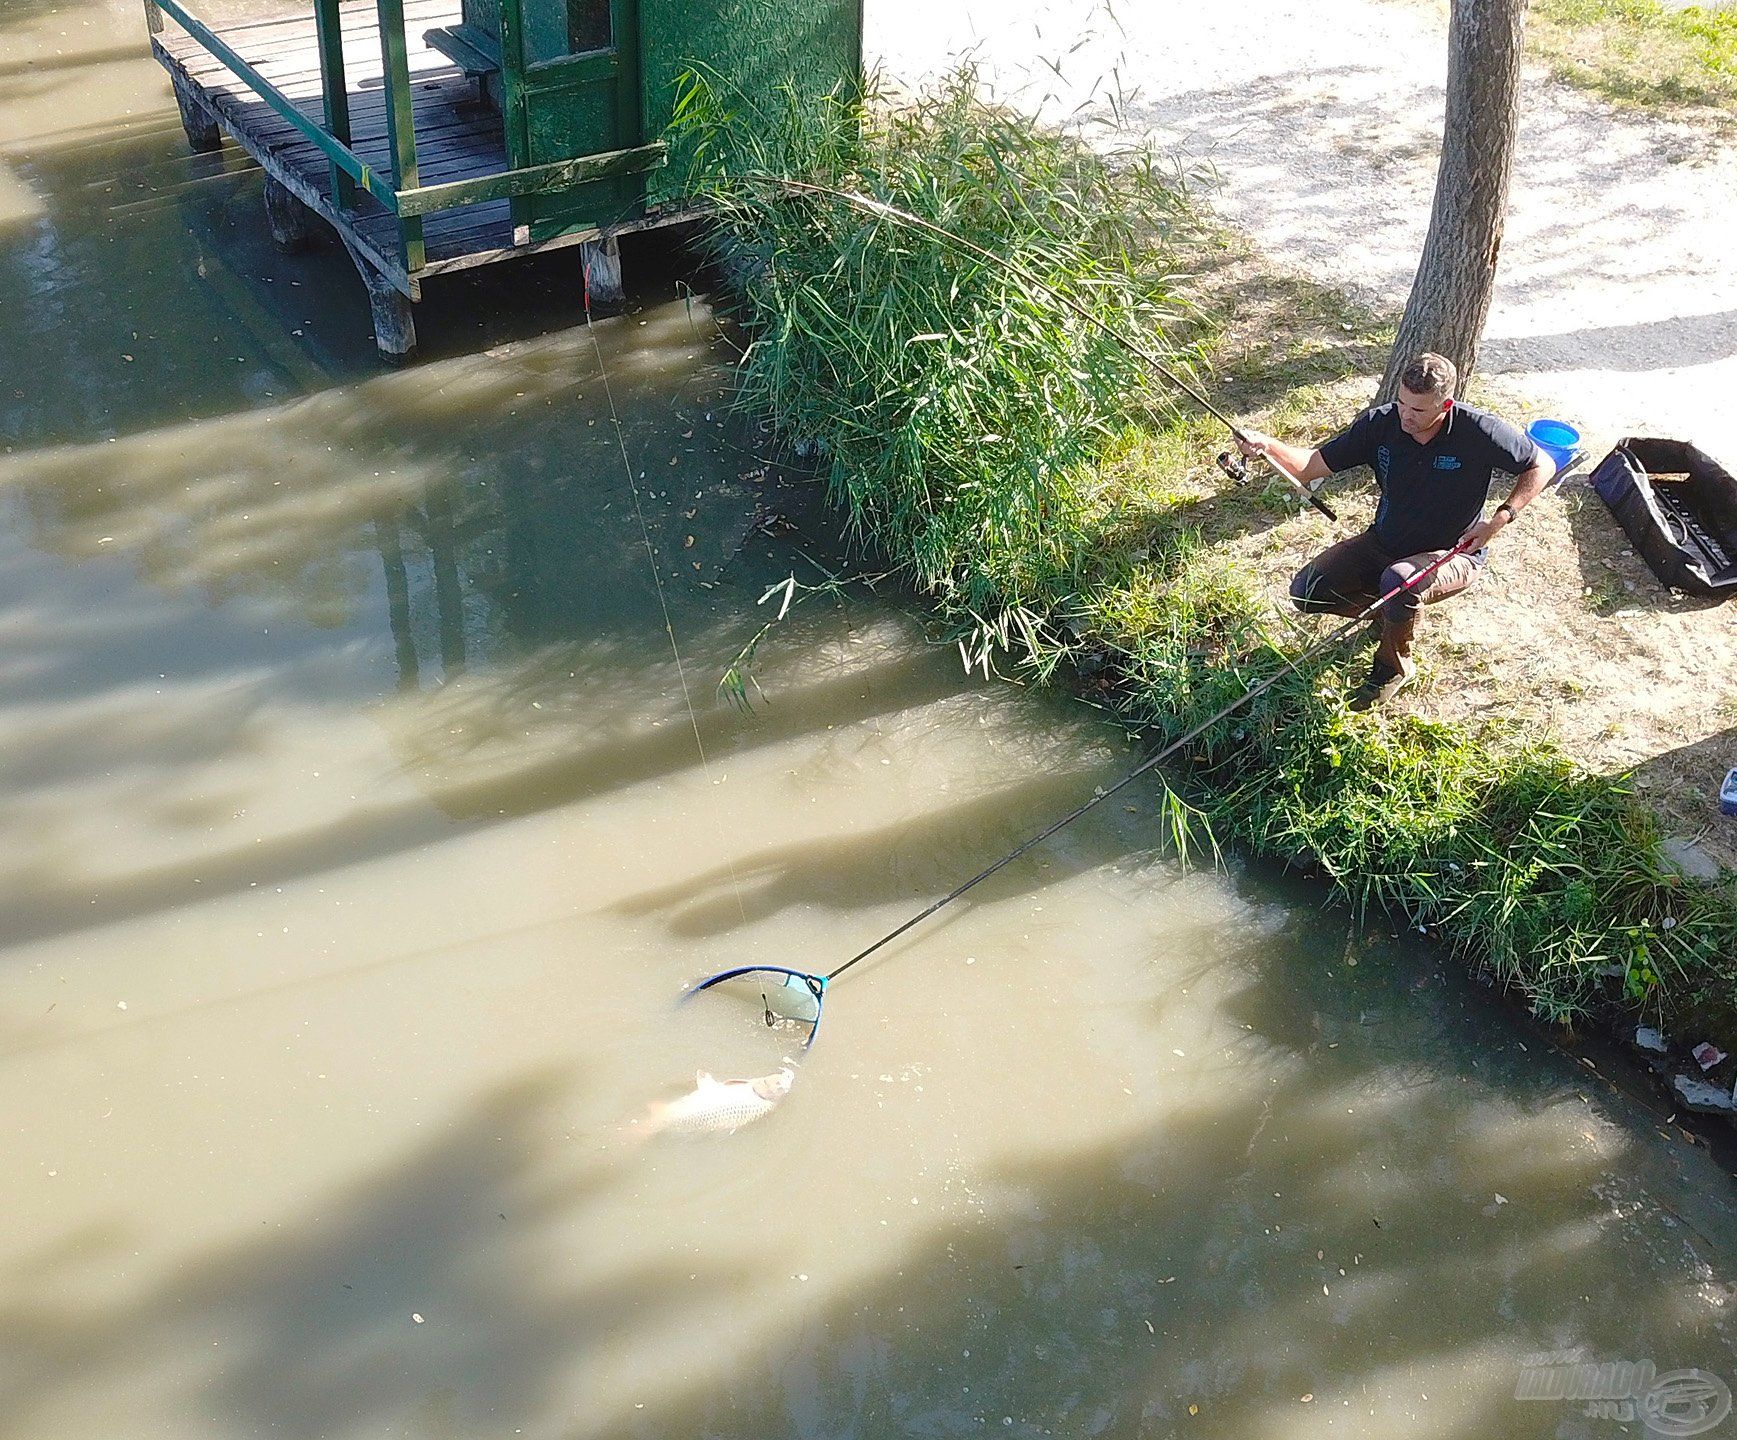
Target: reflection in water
354,848
398,600
448,606
301,536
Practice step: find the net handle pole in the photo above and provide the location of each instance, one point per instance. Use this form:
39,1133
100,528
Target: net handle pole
893,212
1302,658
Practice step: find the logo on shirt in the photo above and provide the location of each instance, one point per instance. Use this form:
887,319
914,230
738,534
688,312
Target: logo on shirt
1447,462
1382,457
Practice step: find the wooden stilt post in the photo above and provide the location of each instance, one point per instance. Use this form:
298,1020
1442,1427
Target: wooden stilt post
199,123
602,261
394,315
291,223
394,318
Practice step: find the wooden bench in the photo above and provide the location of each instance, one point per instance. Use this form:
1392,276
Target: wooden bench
474,51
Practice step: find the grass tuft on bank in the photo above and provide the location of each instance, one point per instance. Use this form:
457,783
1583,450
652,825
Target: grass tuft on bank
1044,493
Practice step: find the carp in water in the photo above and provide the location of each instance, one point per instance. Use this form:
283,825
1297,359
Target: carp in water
716,1107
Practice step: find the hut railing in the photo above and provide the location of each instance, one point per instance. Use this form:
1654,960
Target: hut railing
402,196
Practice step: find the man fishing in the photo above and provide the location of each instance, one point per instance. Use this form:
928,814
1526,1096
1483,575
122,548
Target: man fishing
1433,461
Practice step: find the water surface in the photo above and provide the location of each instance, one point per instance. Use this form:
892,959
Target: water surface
358,840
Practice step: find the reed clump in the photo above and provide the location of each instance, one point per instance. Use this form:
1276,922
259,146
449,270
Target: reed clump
977,437
959,411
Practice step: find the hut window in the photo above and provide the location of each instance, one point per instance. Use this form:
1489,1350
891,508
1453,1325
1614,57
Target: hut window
555,29
588,25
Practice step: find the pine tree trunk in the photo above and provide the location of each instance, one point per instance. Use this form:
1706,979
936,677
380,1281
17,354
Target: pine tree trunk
1450,298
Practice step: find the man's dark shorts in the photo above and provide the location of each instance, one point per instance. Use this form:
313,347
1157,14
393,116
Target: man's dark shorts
1347,578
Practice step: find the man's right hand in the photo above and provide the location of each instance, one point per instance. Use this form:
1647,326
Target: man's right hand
1302,466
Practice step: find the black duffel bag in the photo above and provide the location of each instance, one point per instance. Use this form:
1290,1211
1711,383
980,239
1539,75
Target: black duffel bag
1679,506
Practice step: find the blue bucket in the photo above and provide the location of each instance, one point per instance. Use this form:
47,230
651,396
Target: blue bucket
1557,439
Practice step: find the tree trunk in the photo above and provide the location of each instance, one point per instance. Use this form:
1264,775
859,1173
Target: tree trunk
1450,298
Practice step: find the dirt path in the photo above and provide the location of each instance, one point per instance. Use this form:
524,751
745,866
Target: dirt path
1616,309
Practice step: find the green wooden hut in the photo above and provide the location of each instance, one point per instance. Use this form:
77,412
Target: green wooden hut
438,135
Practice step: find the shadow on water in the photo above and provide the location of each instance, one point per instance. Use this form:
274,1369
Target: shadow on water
143,281
1378,1205
462,528
306,1334
1469,1193
143,295
504,713
946,845
475,504
17,14
44,71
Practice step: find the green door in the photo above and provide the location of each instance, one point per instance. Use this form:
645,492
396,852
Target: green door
577,93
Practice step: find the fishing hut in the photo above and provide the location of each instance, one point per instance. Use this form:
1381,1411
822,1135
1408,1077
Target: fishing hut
439,135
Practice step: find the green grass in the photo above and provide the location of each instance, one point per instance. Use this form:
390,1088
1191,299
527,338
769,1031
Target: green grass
1638,52
1025,476
1546,874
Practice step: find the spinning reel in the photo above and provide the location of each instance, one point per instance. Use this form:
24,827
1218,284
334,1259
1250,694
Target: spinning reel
1236,468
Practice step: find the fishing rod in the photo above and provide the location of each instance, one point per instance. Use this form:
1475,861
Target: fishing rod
1232,466
813,986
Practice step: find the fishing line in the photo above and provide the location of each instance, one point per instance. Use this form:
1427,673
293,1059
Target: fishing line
656,578
801,994
813,986
1161,755
872,206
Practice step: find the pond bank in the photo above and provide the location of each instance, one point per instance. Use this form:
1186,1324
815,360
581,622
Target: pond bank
1615,306
1099,539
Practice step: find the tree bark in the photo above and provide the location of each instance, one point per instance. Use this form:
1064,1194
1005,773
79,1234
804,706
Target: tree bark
1450,296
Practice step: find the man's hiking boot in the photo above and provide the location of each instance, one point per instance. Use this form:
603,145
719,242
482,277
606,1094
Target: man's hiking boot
1383,684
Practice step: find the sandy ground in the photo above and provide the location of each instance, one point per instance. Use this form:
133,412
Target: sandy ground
1319,125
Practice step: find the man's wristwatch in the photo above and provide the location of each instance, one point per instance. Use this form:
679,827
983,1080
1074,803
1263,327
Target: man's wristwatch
1506,509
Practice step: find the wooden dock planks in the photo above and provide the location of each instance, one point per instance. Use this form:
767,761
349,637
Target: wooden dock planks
457,137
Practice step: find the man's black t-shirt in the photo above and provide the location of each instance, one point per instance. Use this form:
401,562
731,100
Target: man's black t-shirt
1430,494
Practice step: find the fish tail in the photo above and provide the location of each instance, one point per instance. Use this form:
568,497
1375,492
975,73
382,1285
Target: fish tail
651,1123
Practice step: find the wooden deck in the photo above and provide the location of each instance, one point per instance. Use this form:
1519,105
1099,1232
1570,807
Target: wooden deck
458,135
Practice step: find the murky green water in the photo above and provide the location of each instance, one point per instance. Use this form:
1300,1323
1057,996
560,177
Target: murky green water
356,843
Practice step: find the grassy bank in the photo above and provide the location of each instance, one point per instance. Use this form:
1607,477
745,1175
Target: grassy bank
1053,503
